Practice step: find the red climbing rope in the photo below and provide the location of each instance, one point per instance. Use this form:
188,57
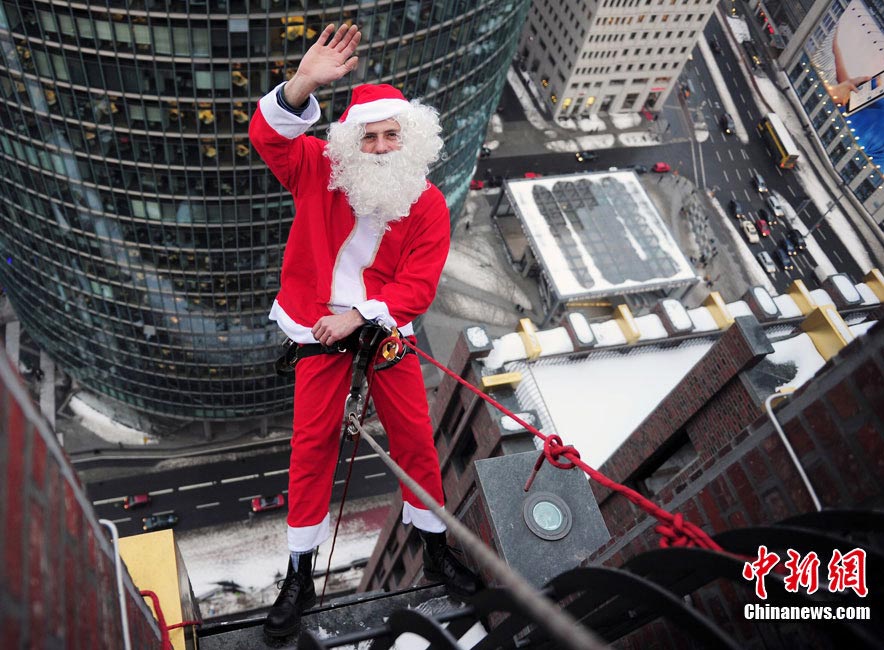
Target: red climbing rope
161,620
673,529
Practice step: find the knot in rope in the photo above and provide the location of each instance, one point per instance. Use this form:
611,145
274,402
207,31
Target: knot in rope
678,532
553,448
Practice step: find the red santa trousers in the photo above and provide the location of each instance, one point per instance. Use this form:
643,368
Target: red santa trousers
321,387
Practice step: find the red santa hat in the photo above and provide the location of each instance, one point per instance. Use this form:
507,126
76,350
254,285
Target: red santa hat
374,103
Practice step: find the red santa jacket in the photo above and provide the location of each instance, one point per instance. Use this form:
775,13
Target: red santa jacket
335,260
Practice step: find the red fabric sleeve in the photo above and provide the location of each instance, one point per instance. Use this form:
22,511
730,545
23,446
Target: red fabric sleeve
417,275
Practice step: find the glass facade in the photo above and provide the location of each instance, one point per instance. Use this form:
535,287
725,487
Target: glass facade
141,235
853,142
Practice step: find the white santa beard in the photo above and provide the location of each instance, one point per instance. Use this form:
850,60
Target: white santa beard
384,186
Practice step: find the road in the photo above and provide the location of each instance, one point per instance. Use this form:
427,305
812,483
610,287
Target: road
206,494
719,162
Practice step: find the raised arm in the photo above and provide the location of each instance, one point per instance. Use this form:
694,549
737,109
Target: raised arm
326,61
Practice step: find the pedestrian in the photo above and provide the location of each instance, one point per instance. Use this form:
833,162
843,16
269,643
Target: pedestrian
368,243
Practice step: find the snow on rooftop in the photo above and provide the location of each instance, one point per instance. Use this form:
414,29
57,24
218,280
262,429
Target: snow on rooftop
788,308
702,319
560,214
821,297
798,351
508,347
608,333
861,328
554,341
477,337
765,301
739,308
677,314
846,287
651,327
581,328
868,296
596,402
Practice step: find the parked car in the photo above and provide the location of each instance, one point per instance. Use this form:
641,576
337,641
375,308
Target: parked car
477,185
797,239
749,232
783,259
788,246
661,168
484,152
758,182
262,504
586,156
494,181
737,209
159,522
727,124
136,500
638,169
766,262
752,54
714,45
776,206
533,175
762,227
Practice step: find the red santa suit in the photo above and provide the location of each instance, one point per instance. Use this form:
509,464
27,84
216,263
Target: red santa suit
336,260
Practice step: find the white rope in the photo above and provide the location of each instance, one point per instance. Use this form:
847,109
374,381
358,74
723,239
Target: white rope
769,408
559,624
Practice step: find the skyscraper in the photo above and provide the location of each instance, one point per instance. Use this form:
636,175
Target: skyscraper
141,236
609,56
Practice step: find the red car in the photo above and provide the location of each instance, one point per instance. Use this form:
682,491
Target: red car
762,227
136,500
661,167
533,175
262,504
477,185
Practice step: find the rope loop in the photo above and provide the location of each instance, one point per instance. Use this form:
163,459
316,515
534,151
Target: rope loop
553,448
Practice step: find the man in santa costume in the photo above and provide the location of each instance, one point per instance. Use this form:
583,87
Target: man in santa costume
368,242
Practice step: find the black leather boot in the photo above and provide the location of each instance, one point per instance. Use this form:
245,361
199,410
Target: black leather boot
441,565
296,595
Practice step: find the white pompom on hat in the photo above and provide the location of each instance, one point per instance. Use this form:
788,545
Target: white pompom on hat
374,103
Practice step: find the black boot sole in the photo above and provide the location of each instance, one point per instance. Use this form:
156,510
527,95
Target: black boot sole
288,631
432,576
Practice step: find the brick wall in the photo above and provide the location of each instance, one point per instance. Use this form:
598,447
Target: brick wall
742,478
57,580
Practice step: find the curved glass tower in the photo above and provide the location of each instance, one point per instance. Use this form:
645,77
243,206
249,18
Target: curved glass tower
141,235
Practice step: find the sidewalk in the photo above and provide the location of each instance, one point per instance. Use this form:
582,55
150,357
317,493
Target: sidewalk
538,132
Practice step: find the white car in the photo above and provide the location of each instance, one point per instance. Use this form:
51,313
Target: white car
776,206
749,232
766,262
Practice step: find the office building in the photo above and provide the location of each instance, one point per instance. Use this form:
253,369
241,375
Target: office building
141,235
837,41
609,56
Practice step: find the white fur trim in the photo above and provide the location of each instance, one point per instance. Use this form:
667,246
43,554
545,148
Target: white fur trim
426,520
286,124
306,538
356,255
297,333
376,111
377,310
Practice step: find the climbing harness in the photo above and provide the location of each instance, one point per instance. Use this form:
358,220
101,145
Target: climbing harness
375,348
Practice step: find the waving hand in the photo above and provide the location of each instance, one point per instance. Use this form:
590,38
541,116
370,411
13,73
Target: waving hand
326,61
